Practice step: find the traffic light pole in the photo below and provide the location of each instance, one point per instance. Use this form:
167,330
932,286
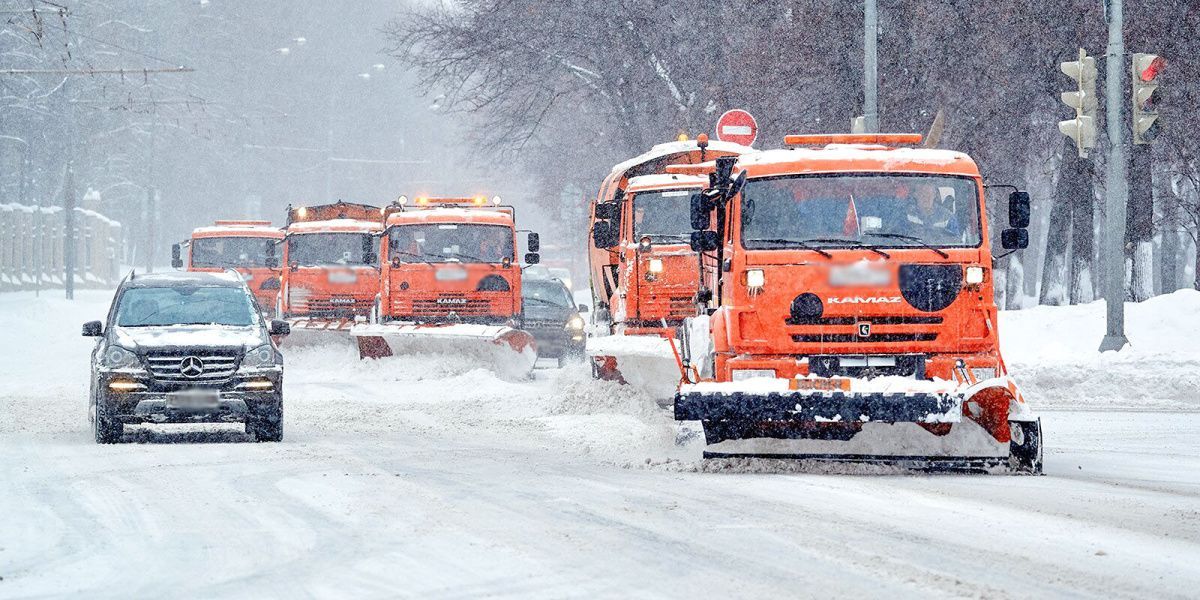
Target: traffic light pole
1116,193
870,66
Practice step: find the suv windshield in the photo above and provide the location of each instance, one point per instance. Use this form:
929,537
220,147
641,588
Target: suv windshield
185,305
451,242
232,251
662,215
316,249
546,292
874,210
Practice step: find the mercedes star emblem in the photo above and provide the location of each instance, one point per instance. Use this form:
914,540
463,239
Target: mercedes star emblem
191,367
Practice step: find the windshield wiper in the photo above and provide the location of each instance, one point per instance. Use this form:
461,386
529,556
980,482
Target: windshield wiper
911,238
544,301
855,243
474,258
802,243
420,257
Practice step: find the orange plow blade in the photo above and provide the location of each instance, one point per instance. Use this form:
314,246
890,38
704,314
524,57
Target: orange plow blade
509,352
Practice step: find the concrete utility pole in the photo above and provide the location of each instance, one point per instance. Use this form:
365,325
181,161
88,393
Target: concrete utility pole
870,66
1117,184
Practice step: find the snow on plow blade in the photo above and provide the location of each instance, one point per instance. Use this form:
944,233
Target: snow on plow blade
317,332
644,362
818,406
509,352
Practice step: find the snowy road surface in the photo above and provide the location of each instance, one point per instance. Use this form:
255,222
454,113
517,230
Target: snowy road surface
431,478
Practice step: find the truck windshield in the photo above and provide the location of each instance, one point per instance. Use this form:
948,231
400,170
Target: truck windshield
185,305
662,215
222,252
451,242
875,210
317,249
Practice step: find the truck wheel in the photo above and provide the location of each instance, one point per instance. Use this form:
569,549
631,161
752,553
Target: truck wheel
266,424
1025,447
107,429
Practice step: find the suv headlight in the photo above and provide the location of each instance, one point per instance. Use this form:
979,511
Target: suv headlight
262,356
116,357
575,323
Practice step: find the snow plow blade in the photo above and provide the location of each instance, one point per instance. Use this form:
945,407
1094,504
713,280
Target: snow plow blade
644,362
507,351
317,332
816,406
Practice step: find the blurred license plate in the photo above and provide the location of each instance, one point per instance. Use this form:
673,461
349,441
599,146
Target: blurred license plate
450,274
193,399
342,277
826,384
859,275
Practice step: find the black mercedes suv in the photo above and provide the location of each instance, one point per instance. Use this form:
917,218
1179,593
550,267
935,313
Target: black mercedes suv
551,316
186,348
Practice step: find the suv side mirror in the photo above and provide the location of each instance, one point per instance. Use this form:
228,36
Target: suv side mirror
176,256
534,242
705,241
607,211
700,212
1018,210
1014,239
280,327
582,308
604,234
93,329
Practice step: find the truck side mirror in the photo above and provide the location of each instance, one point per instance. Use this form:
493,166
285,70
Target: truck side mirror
607,211
272,260
705,241
701,212
604,235
368,250
534,242
1018,210
1016,238
582,308
176,256
532,258
93,329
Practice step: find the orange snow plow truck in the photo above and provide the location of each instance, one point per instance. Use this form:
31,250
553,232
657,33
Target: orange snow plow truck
850,312
249,247
644,276
331,270
451,283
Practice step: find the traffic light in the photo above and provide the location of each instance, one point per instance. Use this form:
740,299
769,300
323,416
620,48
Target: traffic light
1146,69
1081,129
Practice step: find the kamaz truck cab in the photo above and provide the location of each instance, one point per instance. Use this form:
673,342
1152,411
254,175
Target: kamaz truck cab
451,279
249,247
850,310
330,267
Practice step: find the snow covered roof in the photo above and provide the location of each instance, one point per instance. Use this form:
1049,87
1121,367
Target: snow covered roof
858,157
335,226
451,214
173,278
670,148
665,181
237,231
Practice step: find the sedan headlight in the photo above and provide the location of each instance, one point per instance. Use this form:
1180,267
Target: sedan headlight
262,356
575,323
116,357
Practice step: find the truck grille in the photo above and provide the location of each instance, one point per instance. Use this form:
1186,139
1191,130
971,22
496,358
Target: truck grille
192,368
334,304
850,338
430,307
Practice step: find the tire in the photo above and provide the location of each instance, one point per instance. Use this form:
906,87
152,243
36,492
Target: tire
106,428
266,424
1025,447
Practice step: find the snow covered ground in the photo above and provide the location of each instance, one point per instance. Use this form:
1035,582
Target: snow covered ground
433,477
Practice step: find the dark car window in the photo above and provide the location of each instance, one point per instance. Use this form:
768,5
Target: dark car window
547,292
185,305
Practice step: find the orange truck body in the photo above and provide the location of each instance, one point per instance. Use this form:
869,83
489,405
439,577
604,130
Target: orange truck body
635,303
856,304
212,249
434,288
330,264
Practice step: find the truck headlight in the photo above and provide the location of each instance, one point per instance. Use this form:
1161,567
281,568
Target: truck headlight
116,357
262,356
974,275
575,323
756,278
655,266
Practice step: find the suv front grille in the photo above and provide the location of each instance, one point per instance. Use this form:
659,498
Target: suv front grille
181,368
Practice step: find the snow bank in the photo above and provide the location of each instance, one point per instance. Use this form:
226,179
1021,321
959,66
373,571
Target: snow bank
1052,353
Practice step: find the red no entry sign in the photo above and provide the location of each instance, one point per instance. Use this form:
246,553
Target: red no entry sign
737,126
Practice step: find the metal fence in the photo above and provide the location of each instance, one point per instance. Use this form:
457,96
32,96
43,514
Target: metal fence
32,242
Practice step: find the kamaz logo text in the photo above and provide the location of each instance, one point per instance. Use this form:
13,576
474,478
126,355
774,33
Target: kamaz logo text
866,300
451,300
